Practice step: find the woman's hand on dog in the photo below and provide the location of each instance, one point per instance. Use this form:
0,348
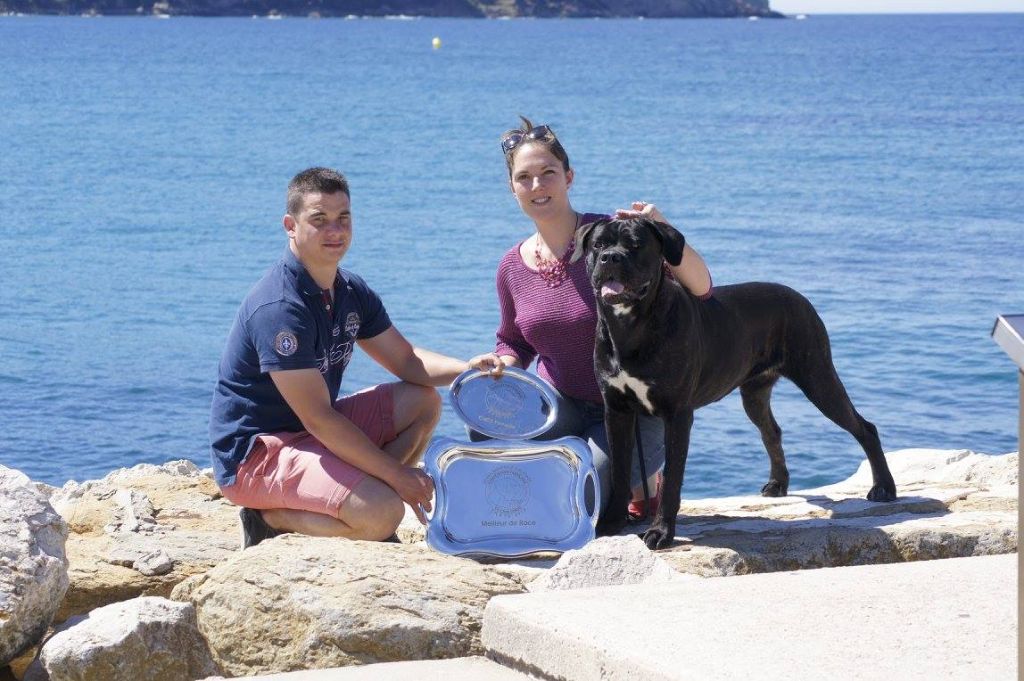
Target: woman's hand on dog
641,209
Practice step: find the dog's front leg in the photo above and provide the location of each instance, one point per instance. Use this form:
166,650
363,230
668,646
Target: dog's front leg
662,531
619,425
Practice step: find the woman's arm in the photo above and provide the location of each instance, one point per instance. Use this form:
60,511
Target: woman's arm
510,339
692,273
512,349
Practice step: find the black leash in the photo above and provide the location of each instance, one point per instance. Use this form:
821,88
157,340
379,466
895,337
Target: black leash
643,470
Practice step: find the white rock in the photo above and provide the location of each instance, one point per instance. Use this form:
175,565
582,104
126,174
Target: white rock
33,567
144,557
297,602
132,512
179,467
952,503
143,638
65,498
153,563
608,561
940,466
135,513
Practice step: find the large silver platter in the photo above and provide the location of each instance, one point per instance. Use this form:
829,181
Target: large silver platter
515,406
511,498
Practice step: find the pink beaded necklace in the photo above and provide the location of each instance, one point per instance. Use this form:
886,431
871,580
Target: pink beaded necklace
553,271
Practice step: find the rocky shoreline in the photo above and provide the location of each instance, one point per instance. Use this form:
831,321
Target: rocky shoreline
140,570
491,9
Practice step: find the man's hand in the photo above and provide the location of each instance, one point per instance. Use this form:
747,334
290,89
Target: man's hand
416,489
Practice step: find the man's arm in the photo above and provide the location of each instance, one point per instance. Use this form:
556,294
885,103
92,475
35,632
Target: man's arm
392,351
306,393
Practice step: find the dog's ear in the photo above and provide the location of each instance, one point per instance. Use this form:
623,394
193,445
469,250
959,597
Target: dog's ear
583,239
672,241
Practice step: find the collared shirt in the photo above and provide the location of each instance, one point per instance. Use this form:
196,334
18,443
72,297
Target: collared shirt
286,322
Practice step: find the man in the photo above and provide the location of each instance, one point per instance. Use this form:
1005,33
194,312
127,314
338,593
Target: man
282,441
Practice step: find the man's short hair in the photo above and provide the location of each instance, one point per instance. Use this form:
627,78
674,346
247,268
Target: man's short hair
314,181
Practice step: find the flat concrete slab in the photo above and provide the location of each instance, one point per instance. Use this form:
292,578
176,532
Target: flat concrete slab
458,669
942,619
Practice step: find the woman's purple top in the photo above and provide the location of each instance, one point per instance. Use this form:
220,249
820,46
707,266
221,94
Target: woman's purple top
555,325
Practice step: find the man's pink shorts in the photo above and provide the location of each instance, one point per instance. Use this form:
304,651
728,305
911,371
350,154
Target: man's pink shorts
295,470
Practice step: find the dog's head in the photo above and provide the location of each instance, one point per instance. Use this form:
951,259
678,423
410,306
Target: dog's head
624,257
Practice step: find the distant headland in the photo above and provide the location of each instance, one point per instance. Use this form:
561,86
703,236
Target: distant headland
493,9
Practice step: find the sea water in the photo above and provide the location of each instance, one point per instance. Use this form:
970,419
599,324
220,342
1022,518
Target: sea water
874,163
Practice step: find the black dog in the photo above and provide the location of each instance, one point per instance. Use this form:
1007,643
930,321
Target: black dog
662,351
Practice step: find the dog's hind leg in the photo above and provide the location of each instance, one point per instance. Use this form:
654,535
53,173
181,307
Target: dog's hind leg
757,395
818,380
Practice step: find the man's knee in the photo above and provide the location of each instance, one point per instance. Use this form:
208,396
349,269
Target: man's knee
380,524
374,511
429,402
384,521
432,406
421,404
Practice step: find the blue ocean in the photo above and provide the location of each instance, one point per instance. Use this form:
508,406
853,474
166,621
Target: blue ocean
875,163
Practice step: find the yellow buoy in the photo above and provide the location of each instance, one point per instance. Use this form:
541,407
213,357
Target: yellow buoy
436,42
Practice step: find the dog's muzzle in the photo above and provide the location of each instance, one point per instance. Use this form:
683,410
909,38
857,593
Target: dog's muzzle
611,285
614,291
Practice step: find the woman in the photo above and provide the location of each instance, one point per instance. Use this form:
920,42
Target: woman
548,308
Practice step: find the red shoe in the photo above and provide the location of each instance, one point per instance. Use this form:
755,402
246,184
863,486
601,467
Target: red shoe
641,510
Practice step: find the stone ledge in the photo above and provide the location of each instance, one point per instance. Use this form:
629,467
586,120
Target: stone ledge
458,669
950,619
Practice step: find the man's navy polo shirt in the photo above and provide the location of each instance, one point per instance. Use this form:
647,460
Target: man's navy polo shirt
284,323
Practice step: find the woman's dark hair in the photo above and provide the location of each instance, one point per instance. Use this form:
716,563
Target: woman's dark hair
551,142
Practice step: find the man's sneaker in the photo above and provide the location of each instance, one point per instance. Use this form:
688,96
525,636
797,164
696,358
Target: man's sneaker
254,528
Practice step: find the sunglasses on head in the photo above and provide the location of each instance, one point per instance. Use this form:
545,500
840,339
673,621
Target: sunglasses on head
513,138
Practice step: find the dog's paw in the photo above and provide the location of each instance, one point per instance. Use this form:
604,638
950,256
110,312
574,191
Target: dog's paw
658,537
882,493
774,488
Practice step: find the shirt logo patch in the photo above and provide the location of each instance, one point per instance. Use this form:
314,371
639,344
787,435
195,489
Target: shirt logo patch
285,343
352,322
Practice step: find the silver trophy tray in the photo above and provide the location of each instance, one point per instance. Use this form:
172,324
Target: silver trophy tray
511,498
517,405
